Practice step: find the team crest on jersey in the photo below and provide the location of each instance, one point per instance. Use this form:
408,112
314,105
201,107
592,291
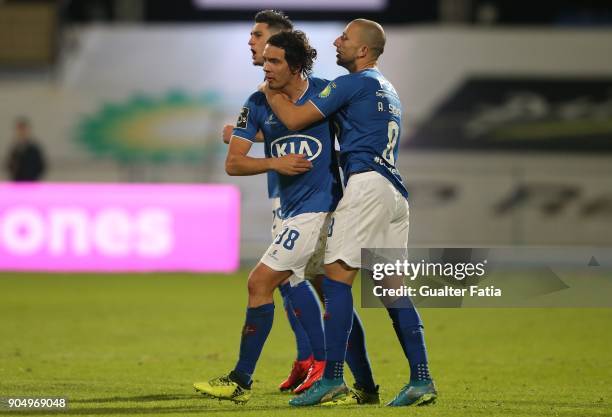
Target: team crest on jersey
327,90
302,144
243,119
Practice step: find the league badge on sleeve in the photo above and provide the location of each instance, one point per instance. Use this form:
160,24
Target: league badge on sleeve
243,118
327,90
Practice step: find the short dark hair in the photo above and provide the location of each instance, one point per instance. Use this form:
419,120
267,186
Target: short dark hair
298,53
275,19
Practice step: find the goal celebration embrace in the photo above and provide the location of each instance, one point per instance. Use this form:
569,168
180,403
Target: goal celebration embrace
331,148
329,208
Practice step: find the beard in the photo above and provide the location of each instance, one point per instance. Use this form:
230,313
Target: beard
344,61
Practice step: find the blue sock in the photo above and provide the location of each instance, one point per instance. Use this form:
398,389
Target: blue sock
256,328
409,329
357,356
308,311
301,337
338,323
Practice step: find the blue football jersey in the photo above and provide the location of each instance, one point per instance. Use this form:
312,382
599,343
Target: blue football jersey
369,117
272,184
317,190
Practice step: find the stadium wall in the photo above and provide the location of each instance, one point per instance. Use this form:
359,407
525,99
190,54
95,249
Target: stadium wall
458,198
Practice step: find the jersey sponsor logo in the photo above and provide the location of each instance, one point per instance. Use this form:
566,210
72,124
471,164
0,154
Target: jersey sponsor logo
243,119
327,90
301,144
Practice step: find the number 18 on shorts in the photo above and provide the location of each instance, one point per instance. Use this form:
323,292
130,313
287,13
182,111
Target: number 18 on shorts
297,241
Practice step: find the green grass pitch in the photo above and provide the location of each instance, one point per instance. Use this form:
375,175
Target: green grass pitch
134,344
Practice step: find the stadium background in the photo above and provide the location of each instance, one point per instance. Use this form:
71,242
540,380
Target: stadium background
507,140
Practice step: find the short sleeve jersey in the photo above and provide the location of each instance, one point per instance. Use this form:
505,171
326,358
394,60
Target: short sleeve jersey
368,113
272,184
317,190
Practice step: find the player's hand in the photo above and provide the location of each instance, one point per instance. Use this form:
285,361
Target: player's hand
227,133
292,164
269,92
265,88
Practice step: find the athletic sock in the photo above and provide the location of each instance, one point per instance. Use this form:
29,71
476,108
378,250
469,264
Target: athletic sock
256,328
304,350
308,311
242,379
338,322
409,329
357,356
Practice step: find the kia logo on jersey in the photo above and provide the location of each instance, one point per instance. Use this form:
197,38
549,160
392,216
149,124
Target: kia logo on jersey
301,144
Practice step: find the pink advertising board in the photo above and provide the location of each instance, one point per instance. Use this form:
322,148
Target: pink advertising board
119,227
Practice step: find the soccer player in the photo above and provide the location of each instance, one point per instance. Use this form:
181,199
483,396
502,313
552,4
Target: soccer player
309,189
373,212
309,363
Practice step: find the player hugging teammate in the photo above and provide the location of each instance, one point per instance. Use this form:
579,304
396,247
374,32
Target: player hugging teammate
295,113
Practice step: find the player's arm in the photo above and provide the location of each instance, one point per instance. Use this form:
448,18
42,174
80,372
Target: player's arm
229,129
239,163
293,117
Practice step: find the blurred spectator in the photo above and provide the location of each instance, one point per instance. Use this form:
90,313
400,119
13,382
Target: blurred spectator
25,161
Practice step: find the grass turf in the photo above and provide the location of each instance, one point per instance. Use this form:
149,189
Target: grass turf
134,344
